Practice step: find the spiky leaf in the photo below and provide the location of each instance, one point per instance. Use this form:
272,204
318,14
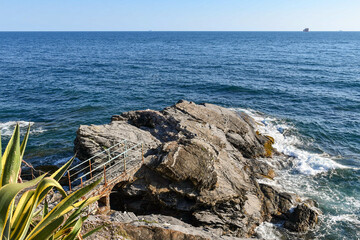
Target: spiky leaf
92,231
11,161
64,206
48,230
22,225
24,142
75,230
7,195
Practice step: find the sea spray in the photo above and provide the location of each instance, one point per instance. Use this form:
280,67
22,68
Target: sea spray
313,175
287,142
7,128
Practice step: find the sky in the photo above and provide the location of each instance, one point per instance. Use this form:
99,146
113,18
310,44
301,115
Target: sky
180,15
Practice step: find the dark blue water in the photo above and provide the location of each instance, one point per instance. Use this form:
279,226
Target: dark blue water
309,82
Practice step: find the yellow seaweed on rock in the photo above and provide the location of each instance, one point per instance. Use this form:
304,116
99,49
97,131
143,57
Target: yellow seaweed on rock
268,146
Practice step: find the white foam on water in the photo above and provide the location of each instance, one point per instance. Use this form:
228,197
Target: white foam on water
61,161
7,128
351,218
269,182
305,162
268,231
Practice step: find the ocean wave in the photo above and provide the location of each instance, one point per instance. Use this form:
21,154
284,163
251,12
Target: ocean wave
306,162
352,218
268,231
62,161
7,128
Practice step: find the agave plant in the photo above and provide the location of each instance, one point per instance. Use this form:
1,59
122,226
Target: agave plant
19,218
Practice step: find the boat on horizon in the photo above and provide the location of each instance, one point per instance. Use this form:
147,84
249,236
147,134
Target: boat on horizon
306,30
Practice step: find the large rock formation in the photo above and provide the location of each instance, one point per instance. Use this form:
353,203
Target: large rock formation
202,163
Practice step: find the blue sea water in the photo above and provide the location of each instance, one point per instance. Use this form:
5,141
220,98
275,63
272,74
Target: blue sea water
303,87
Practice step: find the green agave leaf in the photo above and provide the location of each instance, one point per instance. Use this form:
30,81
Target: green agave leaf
15,224
75,230
71,229
64,206
6,152
22,225
61,171
92,232
20,208
7,195
0,155
7,229
11,161
24,142
72,218
46,208
37,213
57,176
74,222
48,230
61,233
78,211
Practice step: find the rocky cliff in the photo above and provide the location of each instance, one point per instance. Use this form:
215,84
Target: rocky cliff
202,165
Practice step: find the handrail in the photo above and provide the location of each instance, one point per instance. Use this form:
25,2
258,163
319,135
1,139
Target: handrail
99,174
107,162
89,166
97,154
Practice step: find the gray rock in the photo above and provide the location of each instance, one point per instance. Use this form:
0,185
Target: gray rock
149,227
202,162
124,217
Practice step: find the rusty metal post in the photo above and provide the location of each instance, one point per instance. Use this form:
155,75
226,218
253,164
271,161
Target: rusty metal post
105,176
142,152
69,181
90,168
81,182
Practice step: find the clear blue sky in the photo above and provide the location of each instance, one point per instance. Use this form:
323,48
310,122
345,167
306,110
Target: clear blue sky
181,15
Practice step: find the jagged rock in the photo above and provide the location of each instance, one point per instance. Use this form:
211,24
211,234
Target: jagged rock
124,217
303,218
202,163
278,203
93,139
179,164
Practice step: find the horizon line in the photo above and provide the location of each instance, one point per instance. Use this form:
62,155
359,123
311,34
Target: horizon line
177,31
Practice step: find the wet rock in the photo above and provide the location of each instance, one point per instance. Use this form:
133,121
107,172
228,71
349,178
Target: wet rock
303,218
278,203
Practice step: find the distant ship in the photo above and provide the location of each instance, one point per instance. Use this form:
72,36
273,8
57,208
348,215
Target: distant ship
306,30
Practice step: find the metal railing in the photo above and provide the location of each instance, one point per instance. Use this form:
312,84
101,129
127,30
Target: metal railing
109,163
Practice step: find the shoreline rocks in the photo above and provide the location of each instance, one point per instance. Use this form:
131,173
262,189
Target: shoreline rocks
202,163
126,225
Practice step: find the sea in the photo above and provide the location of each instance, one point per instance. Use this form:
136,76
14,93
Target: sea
302,88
